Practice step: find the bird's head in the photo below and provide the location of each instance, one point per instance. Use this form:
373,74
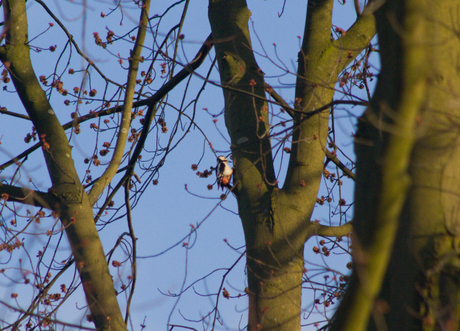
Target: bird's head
222,159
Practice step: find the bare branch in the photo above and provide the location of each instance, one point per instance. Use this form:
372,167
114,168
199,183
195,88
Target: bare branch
152,101
6,112
279,100
119,151
83,55
134,252
28,196
333,231
20,156
64,324
339,164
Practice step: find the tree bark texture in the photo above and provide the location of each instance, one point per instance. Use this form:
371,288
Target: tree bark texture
407,220
276,222
72,203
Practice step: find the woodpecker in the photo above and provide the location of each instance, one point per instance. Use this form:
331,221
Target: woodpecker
223,173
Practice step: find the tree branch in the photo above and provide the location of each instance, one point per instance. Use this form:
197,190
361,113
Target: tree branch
6,112
279,100
154,99
388,165
123,132
339,53
70,37
28,196
332,231
76,213
320,62
314,90
179,77
339,164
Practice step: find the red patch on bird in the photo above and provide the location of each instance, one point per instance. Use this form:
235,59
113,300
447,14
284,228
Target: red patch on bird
225,180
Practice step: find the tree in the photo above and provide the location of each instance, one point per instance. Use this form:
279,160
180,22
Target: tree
406,217
276,221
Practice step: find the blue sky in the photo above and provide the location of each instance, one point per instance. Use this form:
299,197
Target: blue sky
165,213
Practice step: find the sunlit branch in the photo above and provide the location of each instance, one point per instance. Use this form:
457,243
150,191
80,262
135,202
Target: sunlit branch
339,164
396,154
181,24
76,214
316,87
357,38
119,151
332,231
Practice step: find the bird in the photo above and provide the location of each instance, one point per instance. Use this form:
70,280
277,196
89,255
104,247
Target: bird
223,173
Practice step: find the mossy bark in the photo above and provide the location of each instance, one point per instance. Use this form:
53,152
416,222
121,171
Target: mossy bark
276,222
73,205
407,216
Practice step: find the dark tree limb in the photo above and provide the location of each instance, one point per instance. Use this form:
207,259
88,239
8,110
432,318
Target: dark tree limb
29,197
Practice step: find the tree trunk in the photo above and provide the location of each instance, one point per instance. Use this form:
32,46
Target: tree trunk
276,222
407,221
74,208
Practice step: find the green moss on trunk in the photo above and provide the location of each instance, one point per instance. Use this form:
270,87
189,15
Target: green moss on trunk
74,209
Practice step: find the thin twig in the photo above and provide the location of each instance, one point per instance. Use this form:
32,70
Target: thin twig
6,112
279,100
70,37
134,252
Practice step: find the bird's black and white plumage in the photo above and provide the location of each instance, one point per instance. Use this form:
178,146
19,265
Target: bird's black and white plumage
223,173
